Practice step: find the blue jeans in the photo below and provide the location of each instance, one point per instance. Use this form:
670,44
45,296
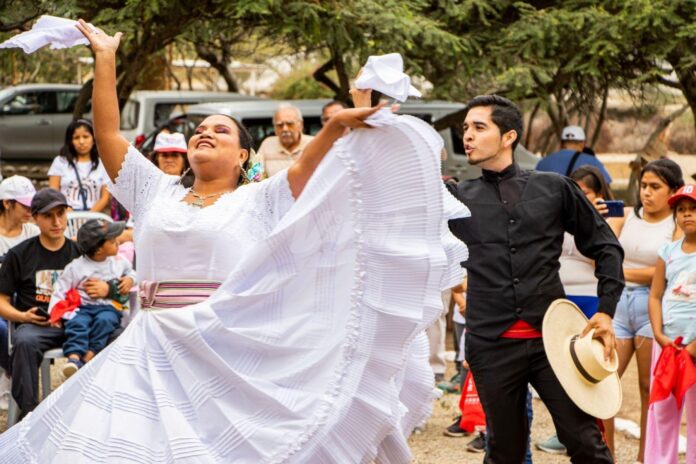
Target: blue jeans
4,348
631,318
90,328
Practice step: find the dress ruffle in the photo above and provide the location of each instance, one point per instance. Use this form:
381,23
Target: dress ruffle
295,358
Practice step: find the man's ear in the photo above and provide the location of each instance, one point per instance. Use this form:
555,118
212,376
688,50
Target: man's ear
509,138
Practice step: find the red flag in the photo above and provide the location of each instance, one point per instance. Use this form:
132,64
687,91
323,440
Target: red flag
72,300
674,374
470,406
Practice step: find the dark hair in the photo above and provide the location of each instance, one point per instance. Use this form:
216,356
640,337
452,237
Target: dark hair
68,150
667,170
246,141
594,180
332,103
3,210
504,114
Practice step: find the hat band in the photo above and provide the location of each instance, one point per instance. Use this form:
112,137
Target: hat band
577,363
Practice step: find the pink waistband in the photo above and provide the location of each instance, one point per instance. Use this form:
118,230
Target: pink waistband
169,294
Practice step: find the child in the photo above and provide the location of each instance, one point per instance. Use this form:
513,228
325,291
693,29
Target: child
672,309
87,329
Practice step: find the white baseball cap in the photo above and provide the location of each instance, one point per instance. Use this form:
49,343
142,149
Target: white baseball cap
17,188
573,133
174,142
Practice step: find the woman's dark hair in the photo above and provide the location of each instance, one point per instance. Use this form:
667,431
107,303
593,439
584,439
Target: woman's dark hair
504,114
3,210
594,180
668,171
68,150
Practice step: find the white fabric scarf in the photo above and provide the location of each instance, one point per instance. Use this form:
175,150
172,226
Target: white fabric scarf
385,73
48,30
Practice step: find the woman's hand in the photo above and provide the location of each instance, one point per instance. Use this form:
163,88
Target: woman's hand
98,39
664,340
600,206
355,117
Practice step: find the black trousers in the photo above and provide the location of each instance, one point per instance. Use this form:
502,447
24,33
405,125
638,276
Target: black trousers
502,369
29,343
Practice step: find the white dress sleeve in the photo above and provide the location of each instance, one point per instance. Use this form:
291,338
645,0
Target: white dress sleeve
138,182
272,198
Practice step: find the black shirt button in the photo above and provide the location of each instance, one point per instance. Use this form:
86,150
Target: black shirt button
513,250
515,281
518,310
505,202
511,221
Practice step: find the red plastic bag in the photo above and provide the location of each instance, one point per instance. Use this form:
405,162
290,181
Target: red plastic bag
473,416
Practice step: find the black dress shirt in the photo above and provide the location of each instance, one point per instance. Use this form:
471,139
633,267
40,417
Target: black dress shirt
515,236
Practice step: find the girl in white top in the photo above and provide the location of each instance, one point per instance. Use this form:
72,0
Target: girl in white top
642,232
77,172
16,193
294,358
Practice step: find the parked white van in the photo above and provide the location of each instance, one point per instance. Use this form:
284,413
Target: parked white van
257,116
147,109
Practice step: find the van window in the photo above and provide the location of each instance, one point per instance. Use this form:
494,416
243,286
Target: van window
65,101
32,103
129,115
164,110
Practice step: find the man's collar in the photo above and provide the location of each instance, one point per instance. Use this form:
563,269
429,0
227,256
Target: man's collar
507,173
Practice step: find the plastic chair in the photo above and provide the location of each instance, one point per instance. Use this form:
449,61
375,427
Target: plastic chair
45,369
77,218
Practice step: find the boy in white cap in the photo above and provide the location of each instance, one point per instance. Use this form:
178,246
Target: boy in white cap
572,155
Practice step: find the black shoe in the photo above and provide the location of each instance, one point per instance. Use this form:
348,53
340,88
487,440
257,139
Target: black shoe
455,430
478,444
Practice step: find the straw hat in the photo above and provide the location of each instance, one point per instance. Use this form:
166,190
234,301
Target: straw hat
591,382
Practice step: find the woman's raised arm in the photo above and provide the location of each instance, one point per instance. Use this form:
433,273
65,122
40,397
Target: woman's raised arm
111,144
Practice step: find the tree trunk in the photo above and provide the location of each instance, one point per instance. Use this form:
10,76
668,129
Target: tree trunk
321,77
343,80
220,64
687,79
83,99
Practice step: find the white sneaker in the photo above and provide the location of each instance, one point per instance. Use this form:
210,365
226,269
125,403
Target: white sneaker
5,384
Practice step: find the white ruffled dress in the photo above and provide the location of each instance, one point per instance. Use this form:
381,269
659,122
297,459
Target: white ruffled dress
296,357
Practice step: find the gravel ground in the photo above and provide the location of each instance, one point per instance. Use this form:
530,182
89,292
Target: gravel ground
432,447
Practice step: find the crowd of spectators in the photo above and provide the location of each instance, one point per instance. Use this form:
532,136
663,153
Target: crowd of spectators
43,270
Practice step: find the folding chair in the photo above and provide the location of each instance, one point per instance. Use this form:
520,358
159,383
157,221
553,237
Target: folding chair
77,218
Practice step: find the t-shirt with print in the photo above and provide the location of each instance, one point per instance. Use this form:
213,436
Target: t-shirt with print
679,300
92,181
29,270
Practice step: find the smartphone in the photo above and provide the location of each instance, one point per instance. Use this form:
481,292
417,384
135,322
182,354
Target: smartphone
42,312
616,208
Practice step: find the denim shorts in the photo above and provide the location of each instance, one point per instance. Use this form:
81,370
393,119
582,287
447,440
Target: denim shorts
631,318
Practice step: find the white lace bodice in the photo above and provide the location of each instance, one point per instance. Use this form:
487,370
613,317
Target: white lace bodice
174,240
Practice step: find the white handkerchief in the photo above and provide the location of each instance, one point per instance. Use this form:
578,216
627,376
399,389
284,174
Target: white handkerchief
385,73
58,32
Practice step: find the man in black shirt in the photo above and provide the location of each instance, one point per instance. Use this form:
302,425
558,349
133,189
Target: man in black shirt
515,233
28,272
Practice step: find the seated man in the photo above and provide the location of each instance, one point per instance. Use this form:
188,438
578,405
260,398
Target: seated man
29,271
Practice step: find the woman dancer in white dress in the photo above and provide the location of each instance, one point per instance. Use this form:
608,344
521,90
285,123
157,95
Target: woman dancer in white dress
328,272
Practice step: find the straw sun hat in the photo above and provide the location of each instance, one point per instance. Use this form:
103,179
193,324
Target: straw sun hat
578,362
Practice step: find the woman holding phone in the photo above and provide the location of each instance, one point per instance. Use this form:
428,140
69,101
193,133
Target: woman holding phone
642,231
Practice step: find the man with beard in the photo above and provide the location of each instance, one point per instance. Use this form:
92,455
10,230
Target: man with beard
280,151
515,234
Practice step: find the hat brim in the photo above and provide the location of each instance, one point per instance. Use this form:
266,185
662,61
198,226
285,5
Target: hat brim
50,206
171,150
674,199
26,201
564,320
115,229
